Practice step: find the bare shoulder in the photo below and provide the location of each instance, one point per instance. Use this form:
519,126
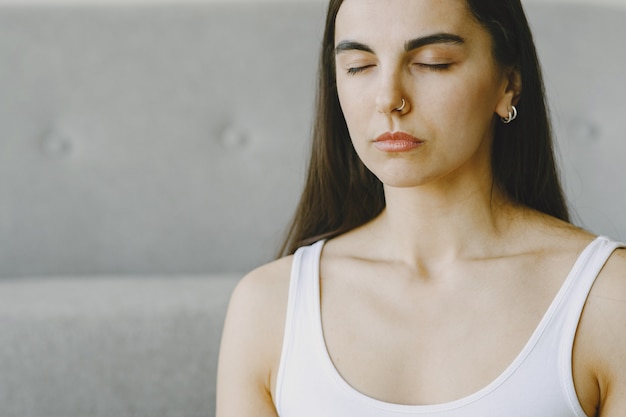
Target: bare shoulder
263,288
258,306
252,341
603,328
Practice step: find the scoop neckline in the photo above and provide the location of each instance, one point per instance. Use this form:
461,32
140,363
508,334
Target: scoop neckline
330,368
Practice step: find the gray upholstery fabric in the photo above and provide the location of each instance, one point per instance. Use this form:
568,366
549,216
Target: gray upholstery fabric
151,154
584,61
151,139
111,346
173,138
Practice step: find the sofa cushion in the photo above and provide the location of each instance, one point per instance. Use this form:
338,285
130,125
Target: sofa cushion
111,346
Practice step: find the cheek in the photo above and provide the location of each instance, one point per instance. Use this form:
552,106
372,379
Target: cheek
354,105
349,96
465,105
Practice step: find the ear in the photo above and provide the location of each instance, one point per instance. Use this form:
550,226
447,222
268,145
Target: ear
511,91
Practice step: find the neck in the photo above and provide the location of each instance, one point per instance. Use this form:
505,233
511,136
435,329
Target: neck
434,225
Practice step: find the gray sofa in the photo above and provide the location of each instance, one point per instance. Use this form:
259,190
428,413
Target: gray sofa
150,155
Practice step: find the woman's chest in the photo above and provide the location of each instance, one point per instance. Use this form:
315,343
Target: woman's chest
418,342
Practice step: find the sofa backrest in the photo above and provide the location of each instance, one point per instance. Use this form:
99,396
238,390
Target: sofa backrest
172,138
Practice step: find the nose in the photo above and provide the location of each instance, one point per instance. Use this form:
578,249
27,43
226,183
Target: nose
391,98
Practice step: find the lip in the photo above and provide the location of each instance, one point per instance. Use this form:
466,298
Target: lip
397,142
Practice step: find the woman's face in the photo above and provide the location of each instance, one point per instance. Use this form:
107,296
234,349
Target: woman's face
434,56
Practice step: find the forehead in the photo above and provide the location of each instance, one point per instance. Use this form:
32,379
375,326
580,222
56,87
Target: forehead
402,19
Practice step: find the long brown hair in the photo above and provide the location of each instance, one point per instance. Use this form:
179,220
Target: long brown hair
340,193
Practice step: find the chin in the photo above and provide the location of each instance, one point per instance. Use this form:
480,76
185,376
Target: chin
403,181
400,175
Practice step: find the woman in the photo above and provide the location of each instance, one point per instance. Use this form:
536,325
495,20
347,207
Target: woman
435,272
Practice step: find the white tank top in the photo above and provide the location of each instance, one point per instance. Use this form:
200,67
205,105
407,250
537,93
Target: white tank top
538,383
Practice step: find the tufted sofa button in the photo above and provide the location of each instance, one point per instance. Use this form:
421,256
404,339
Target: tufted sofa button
57,145
585,131
231,137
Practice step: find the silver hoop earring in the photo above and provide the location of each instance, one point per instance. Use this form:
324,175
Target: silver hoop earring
402,106
512,116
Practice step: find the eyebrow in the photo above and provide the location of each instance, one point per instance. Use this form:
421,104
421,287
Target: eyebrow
410,45
437,38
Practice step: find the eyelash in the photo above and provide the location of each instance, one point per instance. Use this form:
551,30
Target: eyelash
430,67
356,70
435,67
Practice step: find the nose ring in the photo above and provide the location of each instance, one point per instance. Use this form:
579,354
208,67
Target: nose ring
402,106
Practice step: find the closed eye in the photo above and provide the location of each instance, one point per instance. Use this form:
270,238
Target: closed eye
434,67
357,70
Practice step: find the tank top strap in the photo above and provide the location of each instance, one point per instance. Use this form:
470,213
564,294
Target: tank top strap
573,296
302,310
583,274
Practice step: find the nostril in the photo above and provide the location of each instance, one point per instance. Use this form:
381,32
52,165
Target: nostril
402,106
